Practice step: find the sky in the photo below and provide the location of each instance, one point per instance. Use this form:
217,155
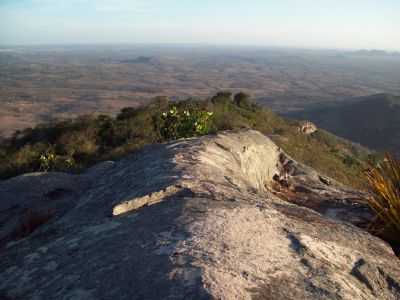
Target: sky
331,24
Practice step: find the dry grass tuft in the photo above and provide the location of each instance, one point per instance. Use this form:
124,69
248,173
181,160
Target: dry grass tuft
384,184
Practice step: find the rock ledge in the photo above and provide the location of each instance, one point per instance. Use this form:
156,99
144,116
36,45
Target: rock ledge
194,219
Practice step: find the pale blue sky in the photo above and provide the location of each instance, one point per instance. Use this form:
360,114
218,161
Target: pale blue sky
295,23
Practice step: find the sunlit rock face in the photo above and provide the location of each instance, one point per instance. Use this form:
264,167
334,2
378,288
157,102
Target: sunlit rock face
215,217
308,127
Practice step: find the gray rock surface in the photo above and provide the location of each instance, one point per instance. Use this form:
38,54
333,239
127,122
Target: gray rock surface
194,219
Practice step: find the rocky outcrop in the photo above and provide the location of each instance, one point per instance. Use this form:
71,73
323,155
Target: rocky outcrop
308,127
194,219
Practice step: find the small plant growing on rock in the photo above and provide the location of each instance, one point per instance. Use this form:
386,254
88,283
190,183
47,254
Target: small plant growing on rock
50,161
176,124
47,161
384,183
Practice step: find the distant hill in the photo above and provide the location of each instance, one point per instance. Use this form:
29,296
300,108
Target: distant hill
374,52
138,60
373,121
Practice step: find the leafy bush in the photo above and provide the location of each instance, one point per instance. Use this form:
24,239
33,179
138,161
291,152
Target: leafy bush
126,113
176,124
49,161
243,100
384,183
224,98
349,160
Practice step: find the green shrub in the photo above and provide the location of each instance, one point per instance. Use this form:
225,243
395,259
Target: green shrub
26,159
47,161
224,98
182,124
79,142
349,160
50,161
127,113
243,100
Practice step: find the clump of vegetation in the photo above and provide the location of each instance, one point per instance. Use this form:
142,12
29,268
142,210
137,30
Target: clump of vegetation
50,161
188,123
384,183
72,145
349,160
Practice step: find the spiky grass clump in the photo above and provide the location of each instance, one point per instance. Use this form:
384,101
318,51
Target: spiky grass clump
384,183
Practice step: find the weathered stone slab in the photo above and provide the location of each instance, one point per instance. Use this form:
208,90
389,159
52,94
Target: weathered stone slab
195,219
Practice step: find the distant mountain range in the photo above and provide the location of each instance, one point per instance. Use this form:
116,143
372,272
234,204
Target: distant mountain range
138,60
374,52
373,121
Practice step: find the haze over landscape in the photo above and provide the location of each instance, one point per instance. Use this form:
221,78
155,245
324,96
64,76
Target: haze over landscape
200,149
336,24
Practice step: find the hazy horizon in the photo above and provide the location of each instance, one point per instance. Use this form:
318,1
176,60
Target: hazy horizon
304,24
181,46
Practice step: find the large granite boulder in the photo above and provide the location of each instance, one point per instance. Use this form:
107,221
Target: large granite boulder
194,219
